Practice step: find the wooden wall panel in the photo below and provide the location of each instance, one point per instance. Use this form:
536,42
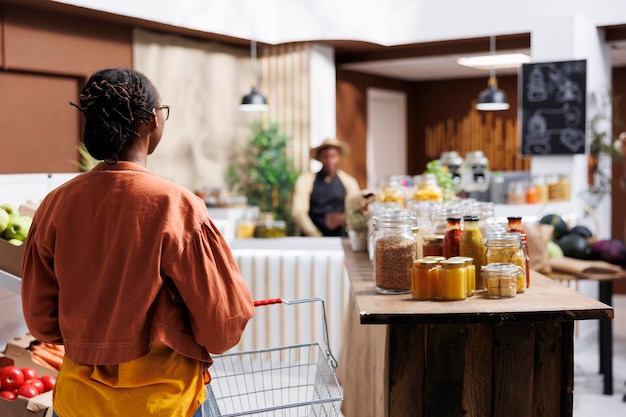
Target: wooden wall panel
284,80
54,43
351,99
447,120
39,129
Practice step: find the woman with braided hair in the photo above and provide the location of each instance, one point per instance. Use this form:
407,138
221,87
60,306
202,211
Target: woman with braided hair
127,270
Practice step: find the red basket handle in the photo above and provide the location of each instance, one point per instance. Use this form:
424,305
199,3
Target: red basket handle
268,302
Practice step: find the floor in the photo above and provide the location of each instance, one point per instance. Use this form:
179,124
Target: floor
588,398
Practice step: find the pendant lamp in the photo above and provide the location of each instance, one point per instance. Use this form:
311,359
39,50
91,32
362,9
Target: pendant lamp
254,101
492,98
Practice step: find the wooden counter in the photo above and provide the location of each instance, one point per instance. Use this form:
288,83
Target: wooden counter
477,357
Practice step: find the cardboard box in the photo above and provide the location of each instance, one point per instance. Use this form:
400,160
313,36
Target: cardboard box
11,258
40,406
17,350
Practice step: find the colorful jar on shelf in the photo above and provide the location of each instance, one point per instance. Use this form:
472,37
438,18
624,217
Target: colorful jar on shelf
507,248
500,280
425,279
394,253
452,280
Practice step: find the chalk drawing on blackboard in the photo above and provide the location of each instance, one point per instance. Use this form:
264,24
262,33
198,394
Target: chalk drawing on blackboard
553,108
537,139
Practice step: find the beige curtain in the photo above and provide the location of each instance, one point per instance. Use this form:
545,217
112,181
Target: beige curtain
204,82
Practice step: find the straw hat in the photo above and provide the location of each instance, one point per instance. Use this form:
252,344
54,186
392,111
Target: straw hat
343,147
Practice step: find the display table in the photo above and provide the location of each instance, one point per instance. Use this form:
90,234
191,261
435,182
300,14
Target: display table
477,357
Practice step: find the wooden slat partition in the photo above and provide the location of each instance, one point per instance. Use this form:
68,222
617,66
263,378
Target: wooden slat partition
485,131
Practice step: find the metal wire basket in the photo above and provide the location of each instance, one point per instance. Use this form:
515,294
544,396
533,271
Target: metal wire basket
297,380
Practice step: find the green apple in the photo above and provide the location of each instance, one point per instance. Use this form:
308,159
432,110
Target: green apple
9,208
16,242
18,227
4,220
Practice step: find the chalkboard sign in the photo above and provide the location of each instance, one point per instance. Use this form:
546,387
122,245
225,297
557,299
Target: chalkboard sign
553,107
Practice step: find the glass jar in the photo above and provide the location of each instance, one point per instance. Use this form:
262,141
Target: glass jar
452,280
565,187
554,190
472,245
507,248
516,193
391,188
541,187
394,252
514,224
427,188
476,175
470,275
500,280
454,164
432,245
425,279
452,237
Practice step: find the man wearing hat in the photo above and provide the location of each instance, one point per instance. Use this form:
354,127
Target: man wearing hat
318,207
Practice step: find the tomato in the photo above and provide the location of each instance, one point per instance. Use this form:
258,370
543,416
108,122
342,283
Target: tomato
9,395
29,373
11,377
37,383
28,391
48,382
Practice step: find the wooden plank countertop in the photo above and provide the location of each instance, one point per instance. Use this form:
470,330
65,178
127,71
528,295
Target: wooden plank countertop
544,300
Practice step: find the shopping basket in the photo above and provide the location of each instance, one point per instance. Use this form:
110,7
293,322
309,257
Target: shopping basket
298,380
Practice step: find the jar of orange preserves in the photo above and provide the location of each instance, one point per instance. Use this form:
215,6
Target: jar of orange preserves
425,279
452,280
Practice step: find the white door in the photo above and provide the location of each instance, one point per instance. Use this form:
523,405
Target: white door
386,134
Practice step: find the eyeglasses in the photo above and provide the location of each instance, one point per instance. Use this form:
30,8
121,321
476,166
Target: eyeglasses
167,111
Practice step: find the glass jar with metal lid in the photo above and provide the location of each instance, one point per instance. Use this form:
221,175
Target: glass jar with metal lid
500,280
425,279
427,188
475,174
507,247
394,252
452,280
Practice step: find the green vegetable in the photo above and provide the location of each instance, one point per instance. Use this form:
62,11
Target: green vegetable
444,178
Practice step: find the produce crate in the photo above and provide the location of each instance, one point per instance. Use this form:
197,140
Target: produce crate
40,406
11,258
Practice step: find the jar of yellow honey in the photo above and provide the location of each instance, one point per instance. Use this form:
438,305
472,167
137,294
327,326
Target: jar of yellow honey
470,274
452,280
425,279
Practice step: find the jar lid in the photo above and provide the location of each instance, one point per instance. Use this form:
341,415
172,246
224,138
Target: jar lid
453,262
470,218
435,258
466,259
425,261
433,238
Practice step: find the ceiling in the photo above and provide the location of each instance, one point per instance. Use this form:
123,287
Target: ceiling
441,67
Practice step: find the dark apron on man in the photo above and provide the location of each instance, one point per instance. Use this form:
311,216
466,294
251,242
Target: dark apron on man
327,197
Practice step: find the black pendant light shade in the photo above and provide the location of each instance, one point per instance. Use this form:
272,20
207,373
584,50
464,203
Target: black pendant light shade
492,98
254,101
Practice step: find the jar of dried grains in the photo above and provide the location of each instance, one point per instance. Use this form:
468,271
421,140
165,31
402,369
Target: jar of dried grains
394,252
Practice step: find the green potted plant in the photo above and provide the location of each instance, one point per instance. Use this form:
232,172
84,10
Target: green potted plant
264,174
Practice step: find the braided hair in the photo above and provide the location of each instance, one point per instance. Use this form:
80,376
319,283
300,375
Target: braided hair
114,101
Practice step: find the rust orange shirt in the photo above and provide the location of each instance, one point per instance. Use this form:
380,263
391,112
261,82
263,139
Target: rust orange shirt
118,258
